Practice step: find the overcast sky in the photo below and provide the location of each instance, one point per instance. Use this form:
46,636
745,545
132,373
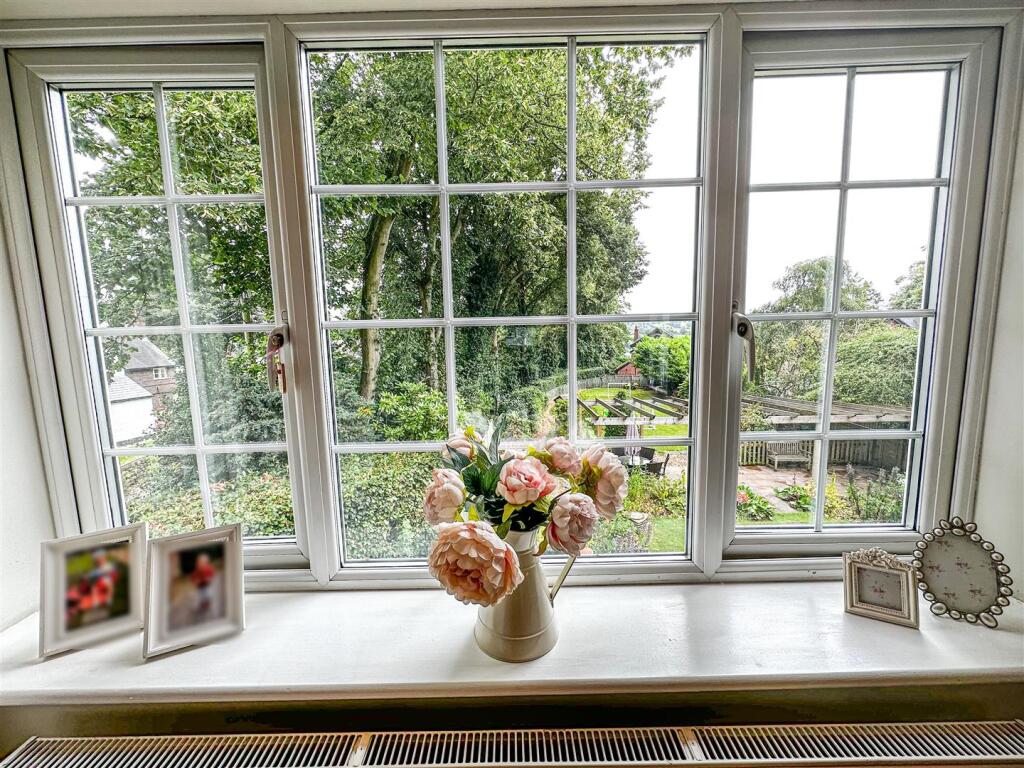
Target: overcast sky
797,137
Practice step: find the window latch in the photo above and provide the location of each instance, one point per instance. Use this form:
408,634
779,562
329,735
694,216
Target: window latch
745,330
276,340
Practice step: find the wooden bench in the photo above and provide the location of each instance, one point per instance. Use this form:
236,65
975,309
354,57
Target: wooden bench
788,453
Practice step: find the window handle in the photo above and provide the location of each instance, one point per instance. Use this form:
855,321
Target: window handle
276,340
745,330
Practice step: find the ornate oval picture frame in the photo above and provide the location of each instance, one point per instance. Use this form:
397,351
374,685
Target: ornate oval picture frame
961,574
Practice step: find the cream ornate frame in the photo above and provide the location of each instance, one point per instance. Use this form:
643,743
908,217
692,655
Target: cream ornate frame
878,559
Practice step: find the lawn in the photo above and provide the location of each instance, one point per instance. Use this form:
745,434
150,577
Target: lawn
780,518
669,534
662,430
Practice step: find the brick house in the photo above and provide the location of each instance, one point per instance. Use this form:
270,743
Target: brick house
151,369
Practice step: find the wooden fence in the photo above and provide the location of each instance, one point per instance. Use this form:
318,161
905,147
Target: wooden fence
884,454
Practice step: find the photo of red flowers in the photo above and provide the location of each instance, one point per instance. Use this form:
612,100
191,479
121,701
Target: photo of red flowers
97,585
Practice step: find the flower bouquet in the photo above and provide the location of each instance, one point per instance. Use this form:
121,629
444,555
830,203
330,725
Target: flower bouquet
495,512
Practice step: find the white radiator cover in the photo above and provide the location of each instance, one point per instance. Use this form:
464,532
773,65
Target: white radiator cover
882,744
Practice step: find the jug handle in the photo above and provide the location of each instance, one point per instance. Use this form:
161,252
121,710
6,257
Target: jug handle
560,579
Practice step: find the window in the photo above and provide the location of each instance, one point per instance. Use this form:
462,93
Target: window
555,220
507,229
847,202
163,188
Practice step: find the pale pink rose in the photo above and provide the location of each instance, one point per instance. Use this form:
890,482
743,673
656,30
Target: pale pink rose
523,481
473,564
444,496
610,482
459,444
572,523
564,457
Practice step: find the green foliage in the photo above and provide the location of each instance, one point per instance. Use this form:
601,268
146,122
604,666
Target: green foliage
656,496
910,288
799,497
261,502
881,498
382,497
665,362
752,506
411,412
876,364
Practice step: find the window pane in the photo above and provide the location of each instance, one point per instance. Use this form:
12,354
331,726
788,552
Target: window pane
252,489
508,254
637,111
516,370
389,384
867,481
636,251
162,491
227,263
786,392
114,142
887,243
791,243
147,398
215,142
373,116
797,132
633,380
382,504
129,254
382,257
876,364
897,125
506,114
235,401
777,482
654,517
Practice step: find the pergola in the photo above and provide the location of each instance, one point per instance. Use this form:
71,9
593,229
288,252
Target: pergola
780,412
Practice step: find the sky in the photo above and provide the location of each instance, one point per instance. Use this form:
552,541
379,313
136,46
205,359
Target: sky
797,137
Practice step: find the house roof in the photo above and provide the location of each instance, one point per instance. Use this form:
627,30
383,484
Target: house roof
122,388
147,355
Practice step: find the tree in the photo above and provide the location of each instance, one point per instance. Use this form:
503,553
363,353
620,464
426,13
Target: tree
665,361
910,288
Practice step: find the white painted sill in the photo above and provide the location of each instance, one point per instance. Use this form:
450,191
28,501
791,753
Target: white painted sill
418,644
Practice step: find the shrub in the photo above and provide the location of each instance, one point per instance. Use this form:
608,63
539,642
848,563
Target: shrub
799,497
656,496
753,506
881,501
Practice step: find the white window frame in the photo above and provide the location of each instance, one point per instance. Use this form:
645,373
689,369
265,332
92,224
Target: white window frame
719,553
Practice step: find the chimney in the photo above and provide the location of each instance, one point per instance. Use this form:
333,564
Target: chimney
636,333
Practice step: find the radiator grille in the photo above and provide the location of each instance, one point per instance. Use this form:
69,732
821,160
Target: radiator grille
629,746
974,743
823,742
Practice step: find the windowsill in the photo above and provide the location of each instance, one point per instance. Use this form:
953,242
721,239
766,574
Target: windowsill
419,644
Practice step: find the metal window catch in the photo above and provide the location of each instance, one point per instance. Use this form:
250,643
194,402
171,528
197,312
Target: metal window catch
745,330
276,340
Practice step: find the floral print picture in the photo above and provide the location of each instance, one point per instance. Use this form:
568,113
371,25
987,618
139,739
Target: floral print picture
879,588
960,574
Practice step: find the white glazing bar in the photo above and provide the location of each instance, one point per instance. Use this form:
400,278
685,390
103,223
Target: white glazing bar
570,240
188,450
837,284
99,201
441,117
811,186
159,330
355,190
692,181
181,286
881,314
685,317
795,436
432,446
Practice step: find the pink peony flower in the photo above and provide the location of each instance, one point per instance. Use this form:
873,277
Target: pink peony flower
473,564
444,496
459,444
610,481
523,481
572,523
564,457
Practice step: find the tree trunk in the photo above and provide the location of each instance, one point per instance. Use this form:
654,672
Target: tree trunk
377,238
427,294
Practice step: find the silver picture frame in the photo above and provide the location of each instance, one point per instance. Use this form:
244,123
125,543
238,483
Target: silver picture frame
961,574
878,585
224,612
56,603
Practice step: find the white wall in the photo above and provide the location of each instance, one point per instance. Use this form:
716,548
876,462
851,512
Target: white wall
1000,500
25,518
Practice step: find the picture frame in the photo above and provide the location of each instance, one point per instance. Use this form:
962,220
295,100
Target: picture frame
195,590
961,574
92,588
878,585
